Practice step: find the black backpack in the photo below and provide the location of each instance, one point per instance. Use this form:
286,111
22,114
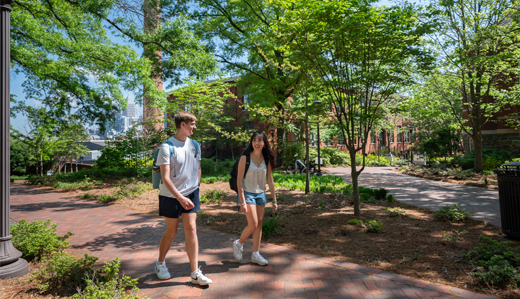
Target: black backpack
234,172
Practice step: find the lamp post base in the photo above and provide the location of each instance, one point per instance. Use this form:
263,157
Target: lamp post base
18,268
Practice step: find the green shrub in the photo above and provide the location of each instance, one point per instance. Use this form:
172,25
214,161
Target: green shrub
37,239
107,198
212,196
489,248
380,193
373,226
211,167
62,271
453,214
270,226
390,198
374,160
108,284
37,180
365,197
498,262
292,150
500,274
87,196
356,222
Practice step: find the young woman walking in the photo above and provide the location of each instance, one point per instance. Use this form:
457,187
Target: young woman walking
251,192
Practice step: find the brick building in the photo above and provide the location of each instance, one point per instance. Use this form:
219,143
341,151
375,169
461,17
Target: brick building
397,141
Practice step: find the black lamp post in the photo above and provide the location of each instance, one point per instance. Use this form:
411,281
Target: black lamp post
11,263
318,102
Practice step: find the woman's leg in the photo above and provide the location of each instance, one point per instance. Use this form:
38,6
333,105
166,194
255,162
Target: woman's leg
252,223
257,234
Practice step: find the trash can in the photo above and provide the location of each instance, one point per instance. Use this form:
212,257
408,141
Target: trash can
509,198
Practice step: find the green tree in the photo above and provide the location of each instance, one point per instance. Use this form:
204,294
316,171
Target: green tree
479,50
64,45
71,134
360,55
440,143
240,33
206,101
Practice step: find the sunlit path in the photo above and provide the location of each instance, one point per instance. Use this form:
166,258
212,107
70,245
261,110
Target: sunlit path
427,193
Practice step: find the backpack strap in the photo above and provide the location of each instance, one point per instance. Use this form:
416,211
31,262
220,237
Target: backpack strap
248,162
168,142
196,145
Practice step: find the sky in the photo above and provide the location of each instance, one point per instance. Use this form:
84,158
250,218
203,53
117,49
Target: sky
20,122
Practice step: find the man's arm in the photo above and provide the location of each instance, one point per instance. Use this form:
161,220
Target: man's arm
185,202
200,173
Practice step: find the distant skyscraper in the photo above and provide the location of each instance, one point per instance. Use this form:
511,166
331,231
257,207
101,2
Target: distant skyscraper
130,111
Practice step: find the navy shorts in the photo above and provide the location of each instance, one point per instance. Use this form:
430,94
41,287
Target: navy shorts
170,207
257,199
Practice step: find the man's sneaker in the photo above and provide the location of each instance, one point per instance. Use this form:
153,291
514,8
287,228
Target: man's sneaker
258,259
237,250
198,278
162,271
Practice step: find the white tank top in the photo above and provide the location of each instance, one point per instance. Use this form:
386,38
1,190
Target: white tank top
255,179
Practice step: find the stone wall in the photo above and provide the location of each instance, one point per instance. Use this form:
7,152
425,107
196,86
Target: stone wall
509,142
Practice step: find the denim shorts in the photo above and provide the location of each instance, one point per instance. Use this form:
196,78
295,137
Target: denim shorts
257,199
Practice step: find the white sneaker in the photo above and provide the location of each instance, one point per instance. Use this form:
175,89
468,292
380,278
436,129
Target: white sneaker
162,271
258,259
198,278
237,250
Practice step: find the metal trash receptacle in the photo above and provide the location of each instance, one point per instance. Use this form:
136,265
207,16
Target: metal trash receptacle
509,198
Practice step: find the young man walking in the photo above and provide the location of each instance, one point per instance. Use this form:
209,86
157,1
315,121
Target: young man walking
179,195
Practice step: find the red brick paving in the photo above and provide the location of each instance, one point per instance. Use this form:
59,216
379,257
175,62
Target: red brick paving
108,232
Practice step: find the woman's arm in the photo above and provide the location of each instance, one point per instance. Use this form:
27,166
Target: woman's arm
270,182
240,188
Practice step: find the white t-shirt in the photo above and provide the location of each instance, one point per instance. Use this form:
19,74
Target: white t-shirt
184,166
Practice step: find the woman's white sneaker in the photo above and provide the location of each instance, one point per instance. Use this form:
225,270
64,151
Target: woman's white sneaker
198,278
237,250
162,271
258,259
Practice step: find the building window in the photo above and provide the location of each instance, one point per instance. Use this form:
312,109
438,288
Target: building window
341,140
406,136
245,101
399,134
391,137
382,138
373,136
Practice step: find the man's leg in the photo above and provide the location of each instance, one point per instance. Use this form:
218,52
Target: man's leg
192,242
172,224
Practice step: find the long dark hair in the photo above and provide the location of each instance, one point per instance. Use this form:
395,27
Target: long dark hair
267,152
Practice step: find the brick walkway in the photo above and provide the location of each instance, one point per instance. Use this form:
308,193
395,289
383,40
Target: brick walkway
108,232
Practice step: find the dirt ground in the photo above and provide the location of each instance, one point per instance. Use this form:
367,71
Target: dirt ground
476,179
411,244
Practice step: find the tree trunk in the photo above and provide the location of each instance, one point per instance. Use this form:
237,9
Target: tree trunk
477,144
355,186
76,166
307,140
41,165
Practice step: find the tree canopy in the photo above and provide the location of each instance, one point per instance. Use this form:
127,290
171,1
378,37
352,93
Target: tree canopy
66,50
